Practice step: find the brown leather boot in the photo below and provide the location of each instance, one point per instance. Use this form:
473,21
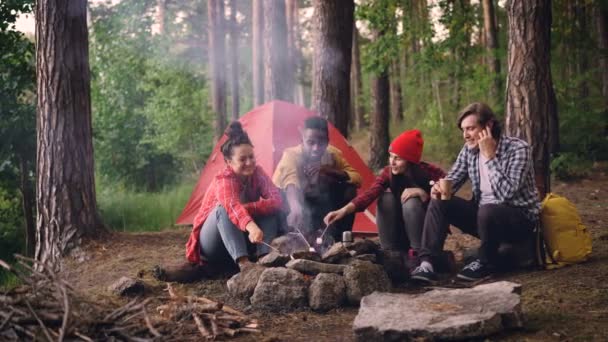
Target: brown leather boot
185,272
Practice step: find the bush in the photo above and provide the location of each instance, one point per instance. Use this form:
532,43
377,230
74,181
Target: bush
569,166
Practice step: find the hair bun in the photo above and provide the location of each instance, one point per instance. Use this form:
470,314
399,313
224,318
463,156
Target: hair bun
235,129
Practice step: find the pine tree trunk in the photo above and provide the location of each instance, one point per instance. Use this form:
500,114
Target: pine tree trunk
491,43
582,56
602,33
27,205
234,61
160,15
356,84
65,196
217,46
278,75
531,111
378,155
396,105
258,52
293,47
332,41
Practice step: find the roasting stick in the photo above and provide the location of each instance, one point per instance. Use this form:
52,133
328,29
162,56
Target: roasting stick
272,247
303,238
320,238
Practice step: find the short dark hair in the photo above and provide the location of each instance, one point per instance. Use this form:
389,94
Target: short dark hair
318,123
484,114
236,136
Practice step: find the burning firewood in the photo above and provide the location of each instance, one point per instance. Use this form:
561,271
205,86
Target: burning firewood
47,307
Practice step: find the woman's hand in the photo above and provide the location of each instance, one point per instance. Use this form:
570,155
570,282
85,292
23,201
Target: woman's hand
414,192
334,216
256,235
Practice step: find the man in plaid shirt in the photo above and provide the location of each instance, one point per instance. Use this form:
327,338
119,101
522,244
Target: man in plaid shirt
505,204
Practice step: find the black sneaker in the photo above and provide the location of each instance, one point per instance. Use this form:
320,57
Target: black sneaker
473,271
424,274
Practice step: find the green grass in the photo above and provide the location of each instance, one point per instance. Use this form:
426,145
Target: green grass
128,211
7,280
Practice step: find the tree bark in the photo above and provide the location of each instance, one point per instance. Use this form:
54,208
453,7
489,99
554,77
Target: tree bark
258,52
396,105
27,205
602,33
531,111
65,197
379,122
491,43
215,13
278,76
358,111
234,61
332,40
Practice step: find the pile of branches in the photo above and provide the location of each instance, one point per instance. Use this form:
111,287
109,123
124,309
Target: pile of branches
46,307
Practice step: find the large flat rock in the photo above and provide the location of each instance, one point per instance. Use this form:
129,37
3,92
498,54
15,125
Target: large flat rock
443,314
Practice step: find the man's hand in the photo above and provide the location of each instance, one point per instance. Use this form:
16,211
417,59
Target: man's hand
436,191
336,174
295,218
487,144
414,192
311,170
256,235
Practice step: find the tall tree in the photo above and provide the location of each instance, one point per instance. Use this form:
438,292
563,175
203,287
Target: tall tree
491,43
258,51
602,37
234,61
67,208
379,133
293,48
356,85
161,6
332,39
215,13
396,104
531,111
278,77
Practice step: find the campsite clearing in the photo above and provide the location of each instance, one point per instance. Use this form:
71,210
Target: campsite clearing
567,304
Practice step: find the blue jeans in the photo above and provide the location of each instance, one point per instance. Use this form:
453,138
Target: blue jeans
222,242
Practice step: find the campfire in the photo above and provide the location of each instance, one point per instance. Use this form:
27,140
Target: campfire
318,274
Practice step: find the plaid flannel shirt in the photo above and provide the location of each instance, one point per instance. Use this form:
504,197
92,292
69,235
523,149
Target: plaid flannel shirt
382,182
511,175
226,190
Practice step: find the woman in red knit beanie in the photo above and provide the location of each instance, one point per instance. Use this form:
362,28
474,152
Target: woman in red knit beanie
401,211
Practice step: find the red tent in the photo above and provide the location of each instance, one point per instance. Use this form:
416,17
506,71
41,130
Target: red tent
273,127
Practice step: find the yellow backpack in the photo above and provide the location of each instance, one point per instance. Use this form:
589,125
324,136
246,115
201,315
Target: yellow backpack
567,240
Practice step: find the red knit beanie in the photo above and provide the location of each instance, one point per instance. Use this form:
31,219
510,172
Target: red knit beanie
408,146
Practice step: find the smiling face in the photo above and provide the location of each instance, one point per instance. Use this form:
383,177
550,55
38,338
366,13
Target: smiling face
470,130
314,143
242,160
397,164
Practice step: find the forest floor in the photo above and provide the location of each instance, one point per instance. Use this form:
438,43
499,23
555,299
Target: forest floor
567,304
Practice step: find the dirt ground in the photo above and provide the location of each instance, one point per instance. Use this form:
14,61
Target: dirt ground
568,304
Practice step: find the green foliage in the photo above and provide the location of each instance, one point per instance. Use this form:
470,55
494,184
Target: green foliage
150,112
127,210
569,166
17,128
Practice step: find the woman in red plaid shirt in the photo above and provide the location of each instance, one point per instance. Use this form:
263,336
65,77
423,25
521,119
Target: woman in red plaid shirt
402,190
238,213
